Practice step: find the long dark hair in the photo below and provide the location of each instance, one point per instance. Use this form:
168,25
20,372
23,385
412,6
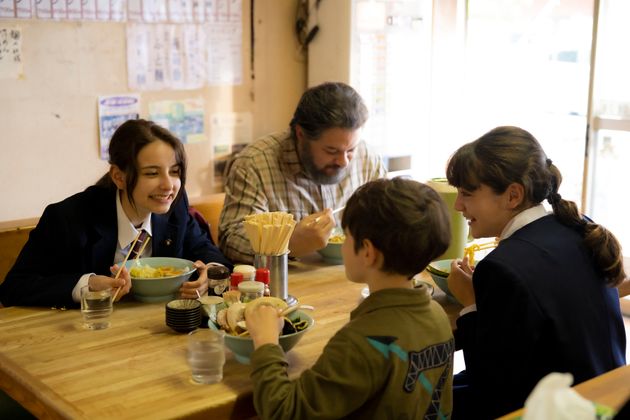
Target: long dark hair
126,143
507,155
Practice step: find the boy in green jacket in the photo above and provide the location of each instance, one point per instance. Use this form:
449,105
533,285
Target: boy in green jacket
394,358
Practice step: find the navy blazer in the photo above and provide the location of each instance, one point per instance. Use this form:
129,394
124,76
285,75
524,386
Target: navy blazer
542,307
79,235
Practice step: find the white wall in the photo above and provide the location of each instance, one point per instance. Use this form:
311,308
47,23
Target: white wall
48,119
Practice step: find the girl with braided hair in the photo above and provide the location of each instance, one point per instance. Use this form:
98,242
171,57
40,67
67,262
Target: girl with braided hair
545,299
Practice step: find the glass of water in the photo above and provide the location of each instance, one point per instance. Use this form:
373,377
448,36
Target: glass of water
96,308
206,355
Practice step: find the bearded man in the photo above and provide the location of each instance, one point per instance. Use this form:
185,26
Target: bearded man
306,171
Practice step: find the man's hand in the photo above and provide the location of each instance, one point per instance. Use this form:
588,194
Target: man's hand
311,233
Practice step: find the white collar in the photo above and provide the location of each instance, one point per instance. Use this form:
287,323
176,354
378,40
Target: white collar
523,218
127,232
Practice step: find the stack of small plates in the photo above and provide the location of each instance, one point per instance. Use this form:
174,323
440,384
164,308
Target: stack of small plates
183,315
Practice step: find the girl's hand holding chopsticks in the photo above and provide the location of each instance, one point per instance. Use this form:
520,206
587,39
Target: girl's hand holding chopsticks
122,283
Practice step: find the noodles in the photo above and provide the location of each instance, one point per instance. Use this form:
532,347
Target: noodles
337,239
146,272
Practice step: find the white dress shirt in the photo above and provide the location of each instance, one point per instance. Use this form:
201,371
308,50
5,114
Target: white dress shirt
127,233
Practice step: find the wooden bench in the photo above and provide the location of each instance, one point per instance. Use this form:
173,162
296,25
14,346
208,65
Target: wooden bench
210,207
13,236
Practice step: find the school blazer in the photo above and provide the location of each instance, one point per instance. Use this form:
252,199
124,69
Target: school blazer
542,307
79,235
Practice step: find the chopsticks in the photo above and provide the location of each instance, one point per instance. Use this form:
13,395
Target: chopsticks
333,212
269,233
133,244
290,309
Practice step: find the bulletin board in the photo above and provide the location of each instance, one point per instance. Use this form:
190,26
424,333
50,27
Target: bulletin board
48,116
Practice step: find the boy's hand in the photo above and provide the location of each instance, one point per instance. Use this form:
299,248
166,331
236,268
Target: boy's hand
460,282
264,325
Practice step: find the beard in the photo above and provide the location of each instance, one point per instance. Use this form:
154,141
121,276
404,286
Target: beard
313,172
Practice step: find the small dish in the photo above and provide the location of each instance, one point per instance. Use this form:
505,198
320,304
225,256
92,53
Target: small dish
183,315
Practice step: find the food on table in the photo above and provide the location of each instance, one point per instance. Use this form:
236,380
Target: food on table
337,239
232,319
147,272
231,296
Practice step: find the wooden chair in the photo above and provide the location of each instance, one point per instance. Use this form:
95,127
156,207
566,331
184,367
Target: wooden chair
210,207
12,241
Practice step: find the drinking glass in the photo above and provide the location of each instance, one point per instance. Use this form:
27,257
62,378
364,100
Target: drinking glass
206,355
96,308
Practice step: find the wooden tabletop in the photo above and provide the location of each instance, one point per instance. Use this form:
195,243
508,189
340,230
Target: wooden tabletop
611,389
137,368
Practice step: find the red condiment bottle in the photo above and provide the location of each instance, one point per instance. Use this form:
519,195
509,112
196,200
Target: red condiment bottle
262,275
235,279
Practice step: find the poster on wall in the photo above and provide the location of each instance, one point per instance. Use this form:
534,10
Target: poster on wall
114,110
184,118
11,53
230,132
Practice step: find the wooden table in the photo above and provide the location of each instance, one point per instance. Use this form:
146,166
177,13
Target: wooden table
137,368
611,389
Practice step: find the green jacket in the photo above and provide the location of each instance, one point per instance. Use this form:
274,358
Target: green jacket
393,360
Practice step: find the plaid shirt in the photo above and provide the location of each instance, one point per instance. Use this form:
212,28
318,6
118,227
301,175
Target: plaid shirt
267,176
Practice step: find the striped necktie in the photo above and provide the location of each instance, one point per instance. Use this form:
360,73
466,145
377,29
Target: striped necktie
138,246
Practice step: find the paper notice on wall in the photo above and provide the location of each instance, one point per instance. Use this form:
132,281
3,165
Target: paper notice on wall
118,10
88,9
181,11
193,38
74,9
224,53
59,9
43,9
184,118
112,112
24,9
7,9
11,66
230,132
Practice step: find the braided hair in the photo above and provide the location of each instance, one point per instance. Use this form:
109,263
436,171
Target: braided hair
507,155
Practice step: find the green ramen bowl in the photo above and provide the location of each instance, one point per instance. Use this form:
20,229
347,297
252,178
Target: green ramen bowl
331,253
243,347
439,271
158,279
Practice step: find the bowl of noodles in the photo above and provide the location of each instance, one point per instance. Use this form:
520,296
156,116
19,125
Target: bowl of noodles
237,338
158,279
331,253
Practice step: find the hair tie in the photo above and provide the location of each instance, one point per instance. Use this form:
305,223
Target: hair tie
549,162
